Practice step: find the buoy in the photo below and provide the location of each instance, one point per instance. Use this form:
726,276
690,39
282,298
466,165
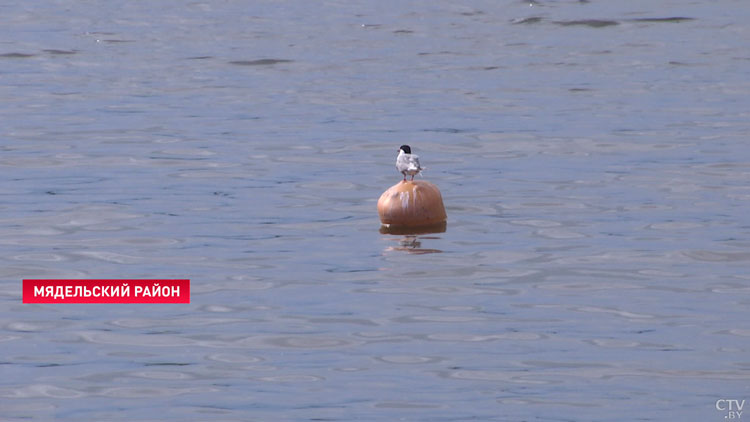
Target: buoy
412,205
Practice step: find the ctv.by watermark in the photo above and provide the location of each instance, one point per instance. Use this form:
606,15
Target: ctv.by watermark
732,408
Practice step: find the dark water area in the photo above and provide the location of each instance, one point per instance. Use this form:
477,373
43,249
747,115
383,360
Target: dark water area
592,156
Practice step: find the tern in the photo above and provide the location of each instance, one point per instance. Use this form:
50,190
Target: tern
408,163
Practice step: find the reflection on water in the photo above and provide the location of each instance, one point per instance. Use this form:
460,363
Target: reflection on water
398,230
592,156
411,238
412,244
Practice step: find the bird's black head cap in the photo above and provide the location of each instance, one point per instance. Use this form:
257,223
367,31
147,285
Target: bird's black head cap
406,149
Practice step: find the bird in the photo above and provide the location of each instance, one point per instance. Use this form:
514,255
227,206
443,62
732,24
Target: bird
407,163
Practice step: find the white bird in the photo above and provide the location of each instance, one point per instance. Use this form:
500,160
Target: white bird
408,163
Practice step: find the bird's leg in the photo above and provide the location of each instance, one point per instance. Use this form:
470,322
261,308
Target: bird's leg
412,177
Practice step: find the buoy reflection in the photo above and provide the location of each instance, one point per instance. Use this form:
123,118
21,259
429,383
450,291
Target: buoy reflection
413,245
434,228
413,237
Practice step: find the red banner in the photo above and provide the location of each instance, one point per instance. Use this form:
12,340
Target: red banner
106,291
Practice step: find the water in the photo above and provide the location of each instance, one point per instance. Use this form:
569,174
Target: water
592,156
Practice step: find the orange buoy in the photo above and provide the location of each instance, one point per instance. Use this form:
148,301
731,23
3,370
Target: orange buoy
412,204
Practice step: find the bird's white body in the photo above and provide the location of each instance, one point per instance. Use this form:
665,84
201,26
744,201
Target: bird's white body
408,164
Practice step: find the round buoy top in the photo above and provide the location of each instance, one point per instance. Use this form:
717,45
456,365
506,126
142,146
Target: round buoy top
412,204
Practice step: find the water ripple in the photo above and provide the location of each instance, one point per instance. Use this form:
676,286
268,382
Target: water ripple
465,337
161,340
40,390
150,392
